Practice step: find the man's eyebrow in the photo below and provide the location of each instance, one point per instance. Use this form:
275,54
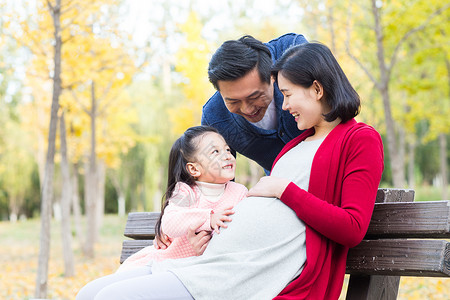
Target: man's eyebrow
255,93
230,99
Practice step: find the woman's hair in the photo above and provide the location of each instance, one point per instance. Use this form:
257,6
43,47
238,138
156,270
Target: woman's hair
305,63
236,58
182,152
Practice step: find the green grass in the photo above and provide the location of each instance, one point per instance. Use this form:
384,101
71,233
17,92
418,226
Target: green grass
19,250
429,193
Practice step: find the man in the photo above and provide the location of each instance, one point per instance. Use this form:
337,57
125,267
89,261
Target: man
247,107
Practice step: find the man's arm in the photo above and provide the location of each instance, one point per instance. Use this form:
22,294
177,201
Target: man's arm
279,45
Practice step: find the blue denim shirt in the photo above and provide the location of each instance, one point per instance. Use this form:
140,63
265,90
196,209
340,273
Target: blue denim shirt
242,136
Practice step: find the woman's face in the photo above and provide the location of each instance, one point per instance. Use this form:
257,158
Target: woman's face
214,162
304,104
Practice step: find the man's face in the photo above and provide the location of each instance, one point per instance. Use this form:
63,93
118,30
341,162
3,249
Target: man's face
247,96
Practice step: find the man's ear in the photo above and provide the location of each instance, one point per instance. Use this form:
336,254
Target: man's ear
193,170
318,89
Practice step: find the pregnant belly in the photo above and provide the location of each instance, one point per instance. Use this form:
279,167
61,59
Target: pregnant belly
258,223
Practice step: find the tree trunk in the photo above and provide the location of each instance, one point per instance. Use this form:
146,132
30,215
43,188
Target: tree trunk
101,170
141,190
411,164
443,146
443,158
76,208
41,144
57,210
13,210
157,196
66,194
397,166
121,205
120,193
47,186
91,184
402,152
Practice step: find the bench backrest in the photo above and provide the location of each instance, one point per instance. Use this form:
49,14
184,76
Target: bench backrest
385,250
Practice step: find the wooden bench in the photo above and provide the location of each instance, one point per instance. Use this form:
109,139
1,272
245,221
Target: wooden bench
405,238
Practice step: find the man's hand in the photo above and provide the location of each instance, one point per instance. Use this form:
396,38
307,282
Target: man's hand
198,241
162,241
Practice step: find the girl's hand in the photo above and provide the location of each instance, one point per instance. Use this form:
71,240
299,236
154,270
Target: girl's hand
219,217
269,186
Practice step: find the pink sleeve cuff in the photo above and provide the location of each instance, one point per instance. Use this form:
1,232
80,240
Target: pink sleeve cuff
207,225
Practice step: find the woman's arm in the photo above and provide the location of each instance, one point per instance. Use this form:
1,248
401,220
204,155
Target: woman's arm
345,224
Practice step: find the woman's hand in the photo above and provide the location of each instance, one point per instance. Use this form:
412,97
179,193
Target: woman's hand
269,186
162,241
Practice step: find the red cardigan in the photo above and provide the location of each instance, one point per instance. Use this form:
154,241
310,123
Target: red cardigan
345,175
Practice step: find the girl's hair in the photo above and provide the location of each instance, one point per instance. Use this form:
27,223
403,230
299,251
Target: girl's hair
182,152
305,63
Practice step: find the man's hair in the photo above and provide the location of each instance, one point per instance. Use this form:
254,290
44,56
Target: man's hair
236,58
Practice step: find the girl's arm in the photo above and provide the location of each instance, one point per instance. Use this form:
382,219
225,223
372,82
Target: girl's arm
181,212
177,220
345,224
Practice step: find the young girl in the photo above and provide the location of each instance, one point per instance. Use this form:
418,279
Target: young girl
199,193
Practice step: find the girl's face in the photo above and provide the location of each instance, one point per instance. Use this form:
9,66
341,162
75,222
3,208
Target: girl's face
304,104
214,162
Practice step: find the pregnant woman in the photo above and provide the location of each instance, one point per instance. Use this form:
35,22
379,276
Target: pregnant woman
289,239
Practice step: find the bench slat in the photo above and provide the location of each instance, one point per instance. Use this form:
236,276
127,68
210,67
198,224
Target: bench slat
389,220
130,247
410,220
141,225
425,258
394,195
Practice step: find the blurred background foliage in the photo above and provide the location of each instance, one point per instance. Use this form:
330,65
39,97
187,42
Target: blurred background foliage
138,69
146,62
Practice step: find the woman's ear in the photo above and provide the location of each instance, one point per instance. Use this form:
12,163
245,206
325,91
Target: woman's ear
193,170
318,89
